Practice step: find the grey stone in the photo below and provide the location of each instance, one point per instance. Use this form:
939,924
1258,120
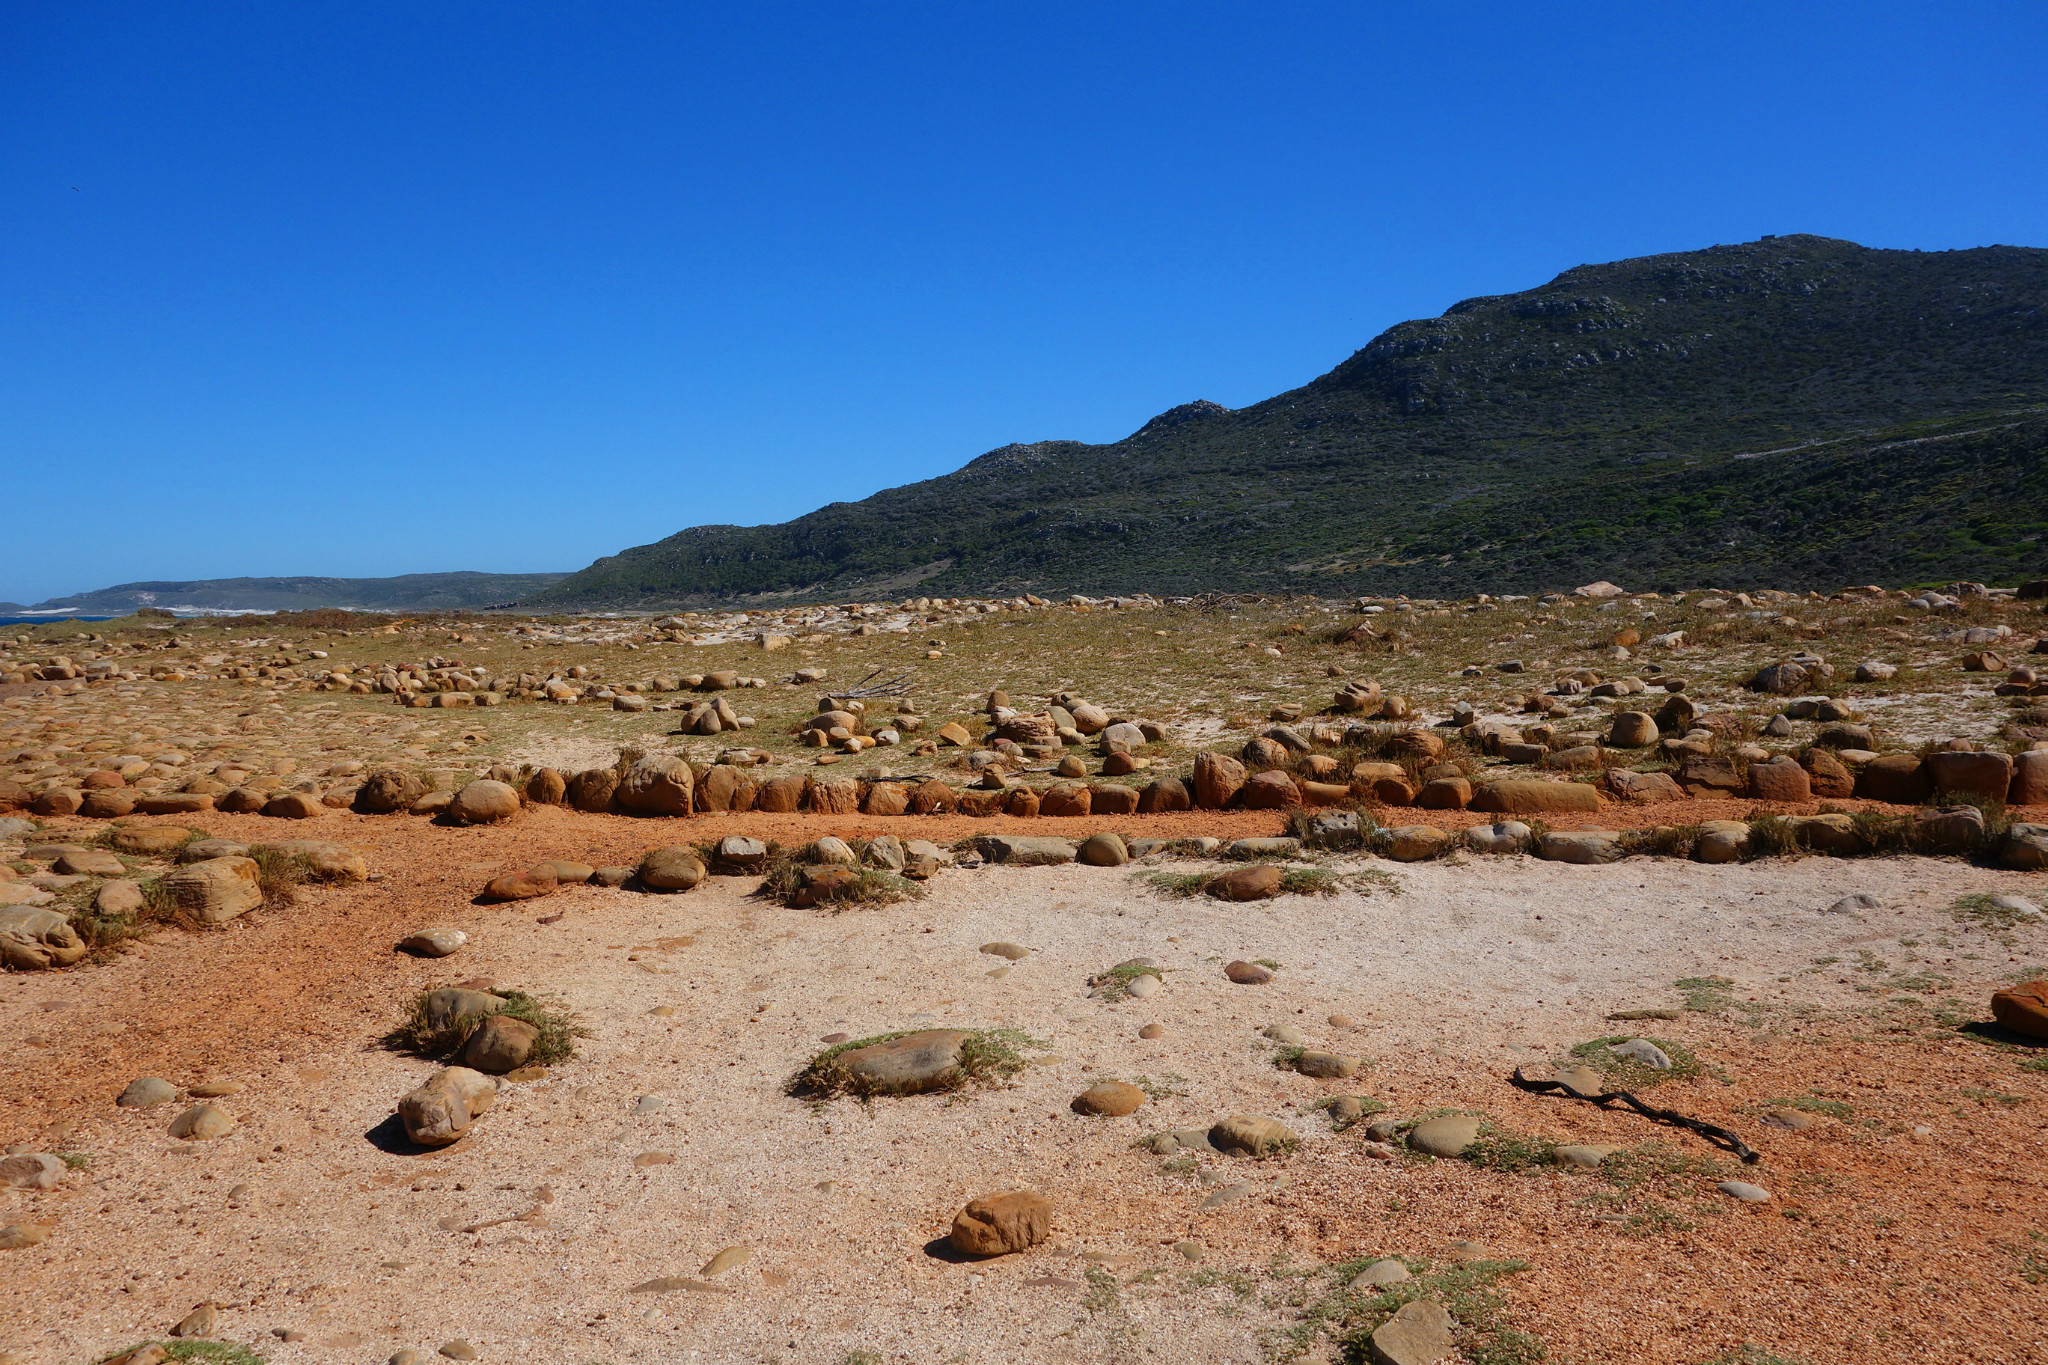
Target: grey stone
1644,1051
147,1092
1445,1136
1582,846
1505,836
1748,1194
1015,952
32,1171
1419,1333
433,942
1386,1271
907,1065
1856,904
1256,849
1228,1193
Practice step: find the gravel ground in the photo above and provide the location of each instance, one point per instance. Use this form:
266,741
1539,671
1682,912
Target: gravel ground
1903,1225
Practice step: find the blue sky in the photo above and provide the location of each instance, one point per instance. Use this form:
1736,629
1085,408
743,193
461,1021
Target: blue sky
385,288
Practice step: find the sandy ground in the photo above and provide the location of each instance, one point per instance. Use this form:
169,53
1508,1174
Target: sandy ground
1903,1226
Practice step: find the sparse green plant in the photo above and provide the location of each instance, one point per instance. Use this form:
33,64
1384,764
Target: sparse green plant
195,1352
1628,1073
279,875
1496,1149
1772,836
1308,881
1977,908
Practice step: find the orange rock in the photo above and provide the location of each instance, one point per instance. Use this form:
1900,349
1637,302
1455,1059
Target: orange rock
2023,1009
1002,1223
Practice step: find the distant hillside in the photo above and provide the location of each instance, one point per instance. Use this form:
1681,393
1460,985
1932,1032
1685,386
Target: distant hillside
407,592
1516,442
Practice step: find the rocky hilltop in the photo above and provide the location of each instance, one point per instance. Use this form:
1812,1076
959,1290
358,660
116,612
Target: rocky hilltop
1798,410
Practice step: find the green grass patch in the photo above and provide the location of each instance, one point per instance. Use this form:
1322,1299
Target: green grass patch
1513,1153
198,1352
1308,881
1328,1307
1976,909
1626,1073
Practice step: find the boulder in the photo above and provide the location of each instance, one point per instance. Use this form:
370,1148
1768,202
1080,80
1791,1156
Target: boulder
740,853
723,788
323,860
1900,779
565,872
2024,848
483,802
1445,1136
1024,851
32,939
1581,846
657,784
1218,779
500,1044
2023,1009
149,840
1419,1333
1643,788
216,890
433,942
1785,679
1956,829
1987,776
677,868
2029,779
35,1171
1506,836
1782,780
1110,1099
999,1224
520,886
547,787
1272,790
1535,796
1249,1135
441,1111
1065,798
780,795
1721,841
933,797
119,898
592,789
1164,795
1415,843
1834,834
1104,850
303,806
202,1123
1257,882
1631,730
928,1060
832,796
885,798
1827,777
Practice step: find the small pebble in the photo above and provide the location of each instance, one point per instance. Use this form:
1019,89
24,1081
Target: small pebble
1190,1251
458,1350
1152,1031
1342,1021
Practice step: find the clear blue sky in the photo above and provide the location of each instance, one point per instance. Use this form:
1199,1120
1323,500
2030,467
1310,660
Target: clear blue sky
377,288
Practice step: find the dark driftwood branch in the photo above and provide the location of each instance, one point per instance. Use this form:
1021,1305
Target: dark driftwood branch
1713,1133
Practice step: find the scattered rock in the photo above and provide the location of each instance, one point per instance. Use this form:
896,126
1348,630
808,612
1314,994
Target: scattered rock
915,1062
1112,1099
676,868
441,1111
1248,1135
1104,850
1419,1333
2023,1009
215,891
1247,973
32,1171
1444,1137
1582,1155
33,938
1259,881
201,1123
1747,1193
1386,1271
500,1044
483,802
433,942
1328,1066
202,1321
997,1225
147,1092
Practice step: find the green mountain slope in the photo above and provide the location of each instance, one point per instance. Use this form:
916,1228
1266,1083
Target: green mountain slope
1421,463
406,592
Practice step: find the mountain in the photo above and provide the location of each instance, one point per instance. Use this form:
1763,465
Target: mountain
1677,417
407,592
